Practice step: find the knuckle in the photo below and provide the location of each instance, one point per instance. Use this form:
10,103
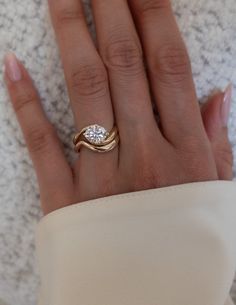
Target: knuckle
198,169
149,177
197,159
123,55
67,14
146,7
24,99
90,81
172,64
107,186
225,155
195,145
146,174
40,139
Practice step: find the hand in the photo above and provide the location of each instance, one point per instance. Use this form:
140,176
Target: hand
111,85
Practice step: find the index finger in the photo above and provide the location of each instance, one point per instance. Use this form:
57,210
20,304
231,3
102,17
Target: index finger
42,141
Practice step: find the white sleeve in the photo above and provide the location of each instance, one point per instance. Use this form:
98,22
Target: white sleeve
168,246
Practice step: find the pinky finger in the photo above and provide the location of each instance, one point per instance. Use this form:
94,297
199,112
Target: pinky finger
215,114
52,169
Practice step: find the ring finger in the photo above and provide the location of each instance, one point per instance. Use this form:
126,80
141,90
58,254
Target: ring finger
84,71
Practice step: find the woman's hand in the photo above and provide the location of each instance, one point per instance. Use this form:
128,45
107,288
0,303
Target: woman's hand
141,57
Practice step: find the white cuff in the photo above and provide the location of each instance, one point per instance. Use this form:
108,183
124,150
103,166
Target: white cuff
168,246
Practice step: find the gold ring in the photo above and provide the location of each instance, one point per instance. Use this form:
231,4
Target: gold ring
96,138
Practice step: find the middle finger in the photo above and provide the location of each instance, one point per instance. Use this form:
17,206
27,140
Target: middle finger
121,52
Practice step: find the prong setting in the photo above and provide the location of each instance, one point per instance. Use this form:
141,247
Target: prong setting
96,134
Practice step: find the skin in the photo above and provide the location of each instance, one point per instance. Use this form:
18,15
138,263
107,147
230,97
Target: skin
109,84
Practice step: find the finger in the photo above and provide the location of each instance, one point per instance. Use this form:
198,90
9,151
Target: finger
215,115
121,52
85,74
169,69
53,172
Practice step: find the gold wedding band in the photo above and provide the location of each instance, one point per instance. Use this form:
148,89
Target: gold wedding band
96,138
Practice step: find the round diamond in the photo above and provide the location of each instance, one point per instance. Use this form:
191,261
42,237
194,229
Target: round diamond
96,134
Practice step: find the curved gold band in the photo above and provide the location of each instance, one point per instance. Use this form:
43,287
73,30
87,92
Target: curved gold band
101,149
108,144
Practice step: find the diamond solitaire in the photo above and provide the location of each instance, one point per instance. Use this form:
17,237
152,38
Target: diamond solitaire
96,134
96,138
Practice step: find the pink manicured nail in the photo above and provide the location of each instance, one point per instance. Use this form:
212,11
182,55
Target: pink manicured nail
12,67
226,104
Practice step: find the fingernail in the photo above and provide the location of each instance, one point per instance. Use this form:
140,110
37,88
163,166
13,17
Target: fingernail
12,67
226,105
